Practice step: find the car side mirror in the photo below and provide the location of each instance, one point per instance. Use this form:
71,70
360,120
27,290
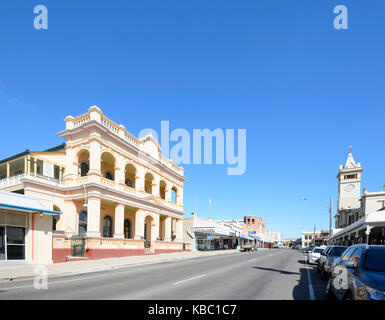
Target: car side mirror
349,264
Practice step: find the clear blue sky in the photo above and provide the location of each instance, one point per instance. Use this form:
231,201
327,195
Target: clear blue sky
303,90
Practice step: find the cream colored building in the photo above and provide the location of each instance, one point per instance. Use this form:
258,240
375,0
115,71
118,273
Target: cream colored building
360,217
119,196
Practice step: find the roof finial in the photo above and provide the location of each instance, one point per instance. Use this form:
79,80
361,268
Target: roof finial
350,149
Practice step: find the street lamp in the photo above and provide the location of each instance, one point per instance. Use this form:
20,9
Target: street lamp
330,212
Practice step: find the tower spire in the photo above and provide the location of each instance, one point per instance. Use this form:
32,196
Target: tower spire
350,163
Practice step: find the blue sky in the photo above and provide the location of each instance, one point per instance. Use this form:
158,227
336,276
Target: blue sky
303,90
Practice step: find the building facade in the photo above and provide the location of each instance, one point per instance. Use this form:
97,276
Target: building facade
118,194
206,235
360,217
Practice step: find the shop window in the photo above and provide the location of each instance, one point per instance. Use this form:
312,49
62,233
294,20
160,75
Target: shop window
107,227
82,223
127,229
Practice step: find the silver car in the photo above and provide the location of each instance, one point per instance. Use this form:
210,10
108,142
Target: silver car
359,274
327,257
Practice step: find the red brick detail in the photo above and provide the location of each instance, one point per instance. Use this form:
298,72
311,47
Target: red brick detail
94,254
59,255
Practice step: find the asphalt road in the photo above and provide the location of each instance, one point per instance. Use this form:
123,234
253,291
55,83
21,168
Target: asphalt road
276,274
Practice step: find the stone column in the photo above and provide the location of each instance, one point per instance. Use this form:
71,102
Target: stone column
70,218
156,228
119,221
179,230
139,180
139,225
93,217
167,228
95,158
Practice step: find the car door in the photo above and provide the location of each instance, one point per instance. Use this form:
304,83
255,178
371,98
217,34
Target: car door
354,273
339,275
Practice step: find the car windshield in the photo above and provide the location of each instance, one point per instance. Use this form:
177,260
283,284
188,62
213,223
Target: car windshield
318,250
337,251
375,260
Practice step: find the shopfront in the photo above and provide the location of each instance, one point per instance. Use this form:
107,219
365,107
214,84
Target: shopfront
12,235
25,229
211,238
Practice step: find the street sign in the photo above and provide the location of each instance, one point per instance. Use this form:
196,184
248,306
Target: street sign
252,232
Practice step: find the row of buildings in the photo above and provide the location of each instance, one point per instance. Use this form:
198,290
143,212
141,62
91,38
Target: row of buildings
103,193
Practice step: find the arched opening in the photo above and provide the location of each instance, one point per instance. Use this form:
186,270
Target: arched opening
84,163
127,229
107,226
107,165
148,228
130,173
82,223
148,180
162,190
174,195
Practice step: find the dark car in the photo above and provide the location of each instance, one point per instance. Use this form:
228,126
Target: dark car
359,274
327,258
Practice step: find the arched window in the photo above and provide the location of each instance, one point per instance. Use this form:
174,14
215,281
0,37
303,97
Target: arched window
129,183
127,229
82,223
84,168
162,190
109,176
107,227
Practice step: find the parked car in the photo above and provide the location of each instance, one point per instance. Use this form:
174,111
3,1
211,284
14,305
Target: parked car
327,257
359,274
310,249
314,255
296,246
248,247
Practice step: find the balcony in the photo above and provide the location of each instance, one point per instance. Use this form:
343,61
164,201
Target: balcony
12,172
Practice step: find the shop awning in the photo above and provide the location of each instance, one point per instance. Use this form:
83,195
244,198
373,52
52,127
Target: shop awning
215,230
376,218
18,202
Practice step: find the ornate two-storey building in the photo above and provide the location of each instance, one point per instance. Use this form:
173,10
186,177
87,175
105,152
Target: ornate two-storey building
118,194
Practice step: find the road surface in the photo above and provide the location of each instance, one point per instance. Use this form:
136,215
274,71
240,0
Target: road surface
277,274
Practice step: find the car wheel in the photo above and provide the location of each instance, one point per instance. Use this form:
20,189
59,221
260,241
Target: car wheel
328,291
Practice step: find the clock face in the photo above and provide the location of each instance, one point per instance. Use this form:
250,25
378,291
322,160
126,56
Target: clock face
349,187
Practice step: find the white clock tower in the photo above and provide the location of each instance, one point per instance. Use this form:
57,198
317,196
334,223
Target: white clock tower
349,188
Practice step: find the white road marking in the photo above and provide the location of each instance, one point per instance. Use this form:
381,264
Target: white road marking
189,279
311,291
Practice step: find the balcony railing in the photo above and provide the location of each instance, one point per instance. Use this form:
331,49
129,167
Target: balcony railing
15,180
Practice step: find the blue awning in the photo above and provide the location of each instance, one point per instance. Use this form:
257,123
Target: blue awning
19,202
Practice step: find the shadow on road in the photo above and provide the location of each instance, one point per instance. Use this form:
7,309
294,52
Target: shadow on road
301,291
276,270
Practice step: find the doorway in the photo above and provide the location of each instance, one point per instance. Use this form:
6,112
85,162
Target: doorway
2,243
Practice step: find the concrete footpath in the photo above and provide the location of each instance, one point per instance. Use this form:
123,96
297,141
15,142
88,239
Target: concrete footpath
11,272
